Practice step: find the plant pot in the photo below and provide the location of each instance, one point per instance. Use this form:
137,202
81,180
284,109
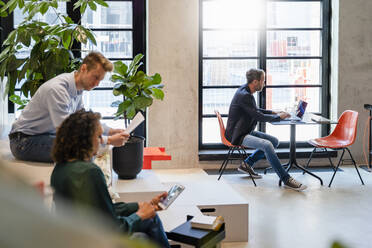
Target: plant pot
127,160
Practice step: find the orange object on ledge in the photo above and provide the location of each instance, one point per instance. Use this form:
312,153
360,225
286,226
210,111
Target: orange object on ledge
153,153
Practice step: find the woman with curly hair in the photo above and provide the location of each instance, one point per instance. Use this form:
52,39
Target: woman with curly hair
78,180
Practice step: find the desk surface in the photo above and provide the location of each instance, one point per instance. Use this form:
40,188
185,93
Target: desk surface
308,119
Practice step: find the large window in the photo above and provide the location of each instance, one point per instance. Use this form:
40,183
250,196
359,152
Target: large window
288,39
120,34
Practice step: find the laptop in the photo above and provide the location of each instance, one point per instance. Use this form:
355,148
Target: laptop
300,111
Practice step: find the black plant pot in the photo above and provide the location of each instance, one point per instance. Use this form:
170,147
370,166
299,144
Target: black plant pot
127,160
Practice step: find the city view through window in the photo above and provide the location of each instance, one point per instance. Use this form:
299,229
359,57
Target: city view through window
282,37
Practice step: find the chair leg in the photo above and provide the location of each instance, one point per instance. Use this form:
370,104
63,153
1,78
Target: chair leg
355,165
308,162
245,164
224,163
330,160
338,164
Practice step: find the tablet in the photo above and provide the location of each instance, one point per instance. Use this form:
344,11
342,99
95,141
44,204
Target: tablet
173,193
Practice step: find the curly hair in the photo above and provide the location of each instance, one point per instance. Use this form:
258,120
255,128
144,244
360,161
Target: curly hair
74,139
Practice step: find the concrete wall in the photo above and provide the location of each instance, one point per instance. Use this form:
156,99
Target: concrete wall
173,52
355,63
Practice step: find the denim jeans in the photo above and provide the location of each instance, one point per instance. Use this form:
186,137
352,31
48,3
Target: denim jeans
36,148
154,229
265,145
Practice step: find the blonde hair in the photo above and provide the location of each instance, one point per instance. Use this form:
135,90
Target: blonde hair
94,58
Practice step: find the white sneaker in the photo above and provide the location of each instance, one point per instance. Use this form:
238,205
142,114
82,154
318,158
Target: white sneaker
293,184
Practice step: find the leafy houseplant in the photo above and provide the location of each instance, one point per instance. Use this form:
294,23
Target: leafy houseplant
138,91
137,88
50,45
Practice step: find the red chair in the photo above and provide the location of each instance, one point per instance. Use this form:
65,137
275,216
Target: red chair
232,148
340,139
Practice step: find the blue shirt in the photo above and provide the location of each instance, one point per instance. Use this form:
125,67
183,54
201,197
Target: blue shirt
55,100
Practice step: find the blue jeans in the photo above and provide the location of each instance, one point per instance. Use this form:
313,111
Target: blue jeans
154,229
265,145
36,148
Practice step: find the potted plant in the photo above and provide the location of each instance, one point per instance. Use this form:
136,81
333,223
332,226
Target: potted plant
50,46
138,91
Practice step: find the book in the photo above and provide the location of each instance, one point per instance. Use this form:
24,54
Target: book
207,222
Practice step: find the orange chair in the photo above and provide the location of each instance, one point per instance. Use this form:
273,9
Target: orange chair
340,139
232,148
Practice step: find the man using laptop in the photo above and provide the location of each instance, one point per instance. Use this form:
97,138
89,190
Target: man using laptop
242,120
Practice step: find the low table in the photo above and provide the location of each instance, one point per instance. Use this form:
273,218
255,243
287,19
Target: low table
153,153
196,237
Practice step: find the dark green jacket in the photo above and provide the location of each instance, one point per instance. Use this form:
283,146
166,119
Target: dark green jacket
84,185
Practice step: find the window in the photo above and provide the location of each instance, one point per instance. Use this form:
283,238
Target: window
120,34
286,38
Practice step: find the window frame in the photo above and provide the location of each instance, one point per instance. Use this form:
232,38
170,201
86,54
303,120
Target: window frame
138,38
262,59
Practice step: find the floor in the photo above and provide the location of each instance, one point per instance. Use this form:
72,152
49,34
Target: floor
284,218
281,217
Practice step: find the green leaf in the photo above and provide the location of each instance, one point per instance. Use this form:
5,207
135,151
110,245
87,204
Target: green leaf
14,63
156,79
116,78
120,68
68,19
135,61
4,53
92,5
116,92
21,3
54,4
142,102
83,7
44,6
90,36
11,37
12,6
139,77
15,99
66,39
124,105
101,2
131,112
25,89
158,93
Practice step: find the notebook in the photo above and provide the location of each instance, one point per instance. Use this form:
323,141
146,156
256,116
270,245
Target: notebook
300,111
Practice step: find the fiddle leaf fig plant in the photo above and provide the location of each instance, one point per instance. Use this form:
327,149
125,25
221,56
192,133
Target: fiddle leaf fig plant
137,88
50,46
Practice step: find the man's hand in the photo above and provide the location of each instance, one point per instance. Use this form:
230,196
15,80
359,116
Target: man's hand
118,139
113,131
145,210
155,201
283,115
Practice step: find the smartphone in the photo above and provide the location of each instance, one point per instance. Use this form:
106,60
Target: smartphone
173,193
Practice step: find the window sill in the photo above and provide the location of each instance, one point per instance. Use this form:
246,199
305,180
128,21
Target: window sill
283,153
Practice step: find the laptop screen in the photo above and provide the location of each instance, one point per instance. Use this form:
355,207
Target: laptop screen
301,109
